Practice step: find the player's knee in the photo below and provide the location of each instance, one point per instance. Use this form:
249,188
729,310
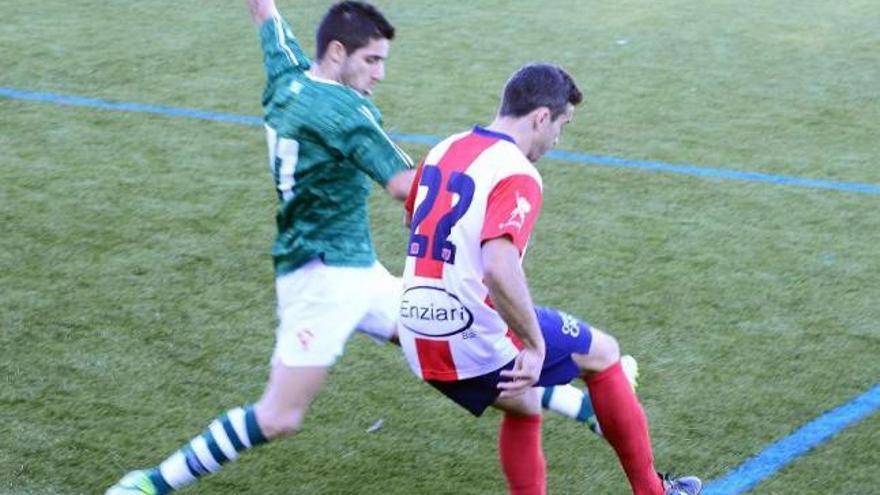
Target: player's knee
526,404
604,353
607,351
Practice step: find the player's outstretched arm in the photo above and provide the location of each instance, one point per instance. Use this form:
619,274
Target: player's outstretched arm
261,10
507,286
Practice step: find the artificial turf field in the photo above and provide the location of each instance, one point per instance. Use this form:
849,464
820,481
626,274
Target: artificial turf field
136,297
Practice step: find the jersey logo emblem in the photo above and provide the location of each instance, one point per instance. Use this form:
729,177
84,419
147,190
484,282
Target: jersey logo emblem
518,215
570,325
305,338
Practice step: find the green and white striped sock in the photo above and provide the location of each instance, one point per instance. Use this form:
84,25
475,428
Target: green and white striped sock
223,441
571,402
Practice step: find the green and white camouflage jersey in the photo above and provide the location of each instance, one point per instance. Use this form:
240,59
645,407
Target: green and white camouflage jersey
326,144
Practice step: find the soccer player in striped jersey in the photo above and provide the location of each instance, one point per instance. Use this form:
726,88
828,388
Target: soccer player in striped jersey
326,145
467,322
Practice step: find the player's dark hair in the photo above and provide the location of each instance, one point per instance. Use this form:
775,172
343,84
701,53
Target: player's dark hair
353,24
539,85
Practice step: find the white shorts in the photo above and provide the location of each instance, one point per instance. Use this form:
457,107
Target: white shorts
319,306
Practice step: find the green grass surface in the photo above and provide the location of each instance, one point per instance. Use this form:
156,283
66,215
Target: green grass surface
136,298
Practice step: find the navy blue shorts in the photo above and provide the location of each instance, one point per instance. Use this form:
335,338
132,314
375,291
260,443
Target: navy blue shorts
563,335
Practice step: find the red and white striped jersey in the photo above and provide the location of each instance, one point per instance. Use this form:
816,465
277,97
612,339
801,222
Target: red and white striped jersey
470,188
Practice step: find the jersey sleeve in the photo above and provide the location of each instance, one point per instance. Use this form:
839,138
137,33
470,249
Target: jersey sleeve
367,145
511,210
281,51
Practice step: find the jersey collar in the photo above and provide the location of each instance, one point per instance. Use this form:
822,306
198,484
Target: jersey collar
321,79
482,131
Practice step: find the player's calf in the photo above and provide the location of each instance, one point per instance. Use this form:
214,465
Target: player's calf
283,406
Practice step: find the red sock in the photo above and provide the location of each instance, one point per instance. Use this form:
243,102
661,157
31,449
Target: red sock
522,458
625,427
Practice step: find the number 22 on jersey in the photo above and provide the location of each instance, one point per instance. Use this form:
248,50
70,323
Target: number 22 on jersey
434,218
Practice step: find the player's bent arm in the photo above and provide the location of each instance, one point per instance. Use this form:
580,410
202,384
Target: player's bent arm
261,10
398,186
509,291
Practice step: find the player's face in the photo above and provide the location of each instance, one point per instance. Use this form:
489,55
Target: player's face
364,67
548,133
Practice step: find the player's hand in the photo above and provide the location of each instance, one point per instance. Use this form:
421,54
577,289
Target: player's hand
261,10
524,374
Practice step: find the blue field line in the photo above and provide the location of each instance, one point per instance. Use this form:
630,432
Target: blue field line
127,107
567,156
719,173
781,453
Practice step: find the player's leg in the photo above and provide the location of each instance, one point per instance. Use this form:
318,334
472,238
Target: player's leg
278,413
622,418
519,444
619,413
317,307
223,440
574,403
283,406
575,349
519,436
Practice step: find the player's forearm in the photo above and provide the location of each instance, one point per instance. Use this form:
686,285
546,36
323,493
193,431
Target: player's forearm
510,293
261,10
515,307
399,185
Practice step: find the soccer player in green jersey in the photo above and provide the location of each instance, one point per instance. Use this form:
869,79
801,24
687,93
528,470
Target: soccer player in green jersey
326,145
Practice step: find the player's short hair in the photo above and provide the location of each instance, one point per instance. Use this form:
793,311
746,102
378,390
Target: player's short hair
353,24
539,85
